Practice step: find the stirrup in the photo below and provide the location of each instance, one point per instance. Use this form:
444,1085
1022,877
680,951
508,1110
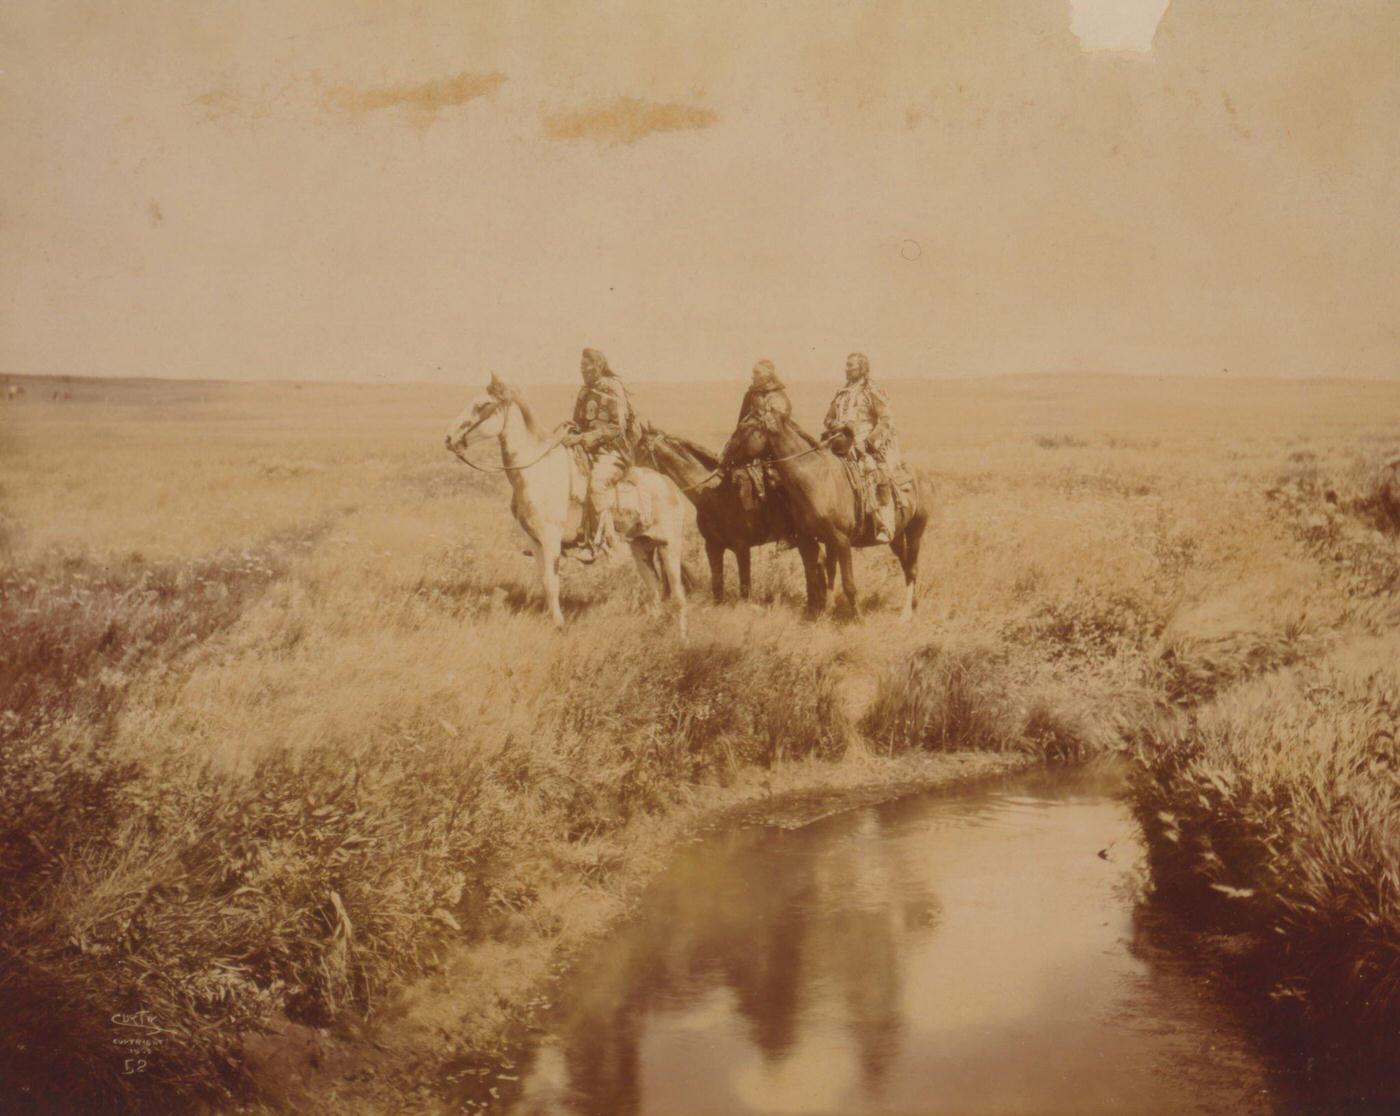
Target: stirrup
579,549
590,550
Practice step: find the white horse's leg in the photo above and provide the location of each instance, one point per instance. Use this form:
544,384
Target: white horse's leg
641,555
547,559
675,577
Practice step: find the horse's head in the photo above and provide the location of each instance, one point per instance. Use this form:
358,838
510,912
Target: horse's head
652,444
676,457
659,447
484,417
755,438
840,441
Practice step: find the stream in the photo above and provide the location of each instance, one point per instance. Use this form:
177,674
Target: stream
979,950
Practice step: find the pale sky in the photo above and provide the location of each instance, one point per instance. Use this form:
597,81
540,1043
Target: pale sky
1124,25
365,189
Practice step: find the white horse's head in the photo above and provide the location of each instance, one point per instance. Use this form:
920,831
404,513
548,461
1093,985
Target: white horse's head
483,419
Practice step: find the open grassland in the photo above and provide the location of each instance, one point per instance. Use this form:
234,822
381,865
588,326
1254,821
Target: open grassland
283,730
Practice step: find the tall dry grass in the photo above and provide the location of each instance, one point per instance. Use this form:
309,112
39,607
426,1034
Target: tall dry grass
286,723
1275,811
1270,797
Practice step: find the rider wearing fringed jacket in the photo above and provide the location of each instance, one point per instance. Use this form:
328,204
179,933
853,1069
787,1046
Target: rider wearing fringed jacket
604,425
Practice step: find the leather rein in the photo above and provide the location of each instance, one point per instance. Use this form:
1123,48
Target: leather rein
721,468
461,455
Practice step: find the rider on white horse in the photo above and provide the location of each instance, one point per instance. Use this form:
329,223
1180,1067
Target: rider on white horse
605,426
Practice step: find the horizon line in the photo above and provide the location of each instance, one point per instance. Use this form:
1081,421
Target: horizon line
1226,374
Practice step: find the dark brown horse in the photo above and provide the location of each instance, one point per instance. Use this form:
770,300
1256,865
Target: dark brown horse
824,505
724,519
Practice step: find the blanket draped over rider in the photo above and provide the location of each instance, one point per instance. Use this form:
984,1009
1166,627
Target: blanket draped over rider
766,396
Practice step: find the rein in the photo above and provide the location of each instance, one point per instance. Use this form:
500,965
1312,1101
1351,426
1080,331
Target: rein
461,455
718,469
821,445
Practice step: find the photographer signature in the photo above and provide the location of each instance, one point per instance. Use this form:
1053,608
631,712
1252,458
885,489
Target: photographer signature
138,1033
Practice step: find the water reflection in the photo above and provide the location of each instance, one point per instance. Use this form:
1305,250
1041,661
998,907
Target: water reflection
930,955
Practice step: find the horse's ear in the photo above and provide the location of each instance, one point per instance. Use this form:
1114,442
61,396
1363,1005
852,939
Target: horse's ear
497,387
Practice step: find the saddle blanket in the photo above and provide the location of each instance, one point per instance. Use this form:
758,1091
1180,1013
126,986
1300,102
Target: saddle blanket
633,508
865,485
752,482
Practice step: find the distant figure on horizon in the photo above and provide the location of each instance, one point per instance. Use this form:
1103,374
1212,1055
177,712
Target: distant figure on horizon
862,411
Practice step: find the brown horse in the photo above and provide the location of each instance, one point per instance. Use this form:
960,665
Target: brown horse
825,508
725,522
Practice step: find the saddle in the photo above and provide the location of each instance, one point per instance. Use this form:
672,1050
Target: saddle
632,507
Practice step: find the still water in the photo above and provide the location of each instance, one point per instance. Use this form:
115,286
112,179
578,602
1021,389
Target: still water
982,951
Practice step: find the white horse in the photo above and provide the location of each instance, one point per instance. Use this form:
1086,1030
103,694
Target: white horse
549,488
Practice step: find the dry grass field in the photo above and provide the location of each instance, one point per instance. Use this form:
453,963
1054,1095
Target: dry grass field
282,724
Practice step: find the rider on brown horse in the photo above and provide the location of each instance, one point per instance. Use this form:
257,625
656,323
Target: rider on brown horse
605,426
862,412
765,395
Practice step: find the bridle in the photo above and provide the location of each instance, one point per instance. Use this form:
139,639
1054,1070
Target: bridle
822,444
460,454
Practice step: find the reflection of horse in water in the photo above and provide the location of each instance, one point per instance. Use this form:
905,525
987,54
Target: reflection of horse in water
728,518
549,485
761,945
826,508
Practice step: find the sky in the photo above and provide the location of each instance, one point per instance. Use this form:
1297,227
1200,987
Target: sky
428,190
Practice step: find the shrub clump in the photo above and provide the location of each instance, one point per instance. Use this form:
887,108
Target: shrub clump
1349,519
971,699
